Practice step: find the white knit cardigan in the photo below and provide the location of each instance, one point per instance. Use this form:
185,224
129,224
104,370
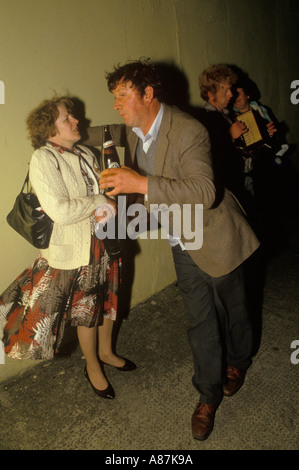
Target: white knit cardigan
57,181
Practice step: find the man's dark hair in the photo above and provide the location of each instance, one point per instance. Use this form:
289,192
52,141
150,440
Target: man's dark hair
140,73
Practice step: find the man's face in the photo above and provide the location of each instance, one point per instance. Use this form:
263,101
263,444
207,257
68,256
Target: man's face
130,105
222,96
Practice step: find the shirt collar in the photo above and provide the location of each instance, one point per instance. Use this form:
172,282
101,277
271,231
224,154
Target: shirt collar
154,130
210,107
61,148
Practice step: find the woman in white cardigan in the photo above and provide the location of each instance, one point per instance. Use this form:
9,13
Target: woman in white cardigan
74,280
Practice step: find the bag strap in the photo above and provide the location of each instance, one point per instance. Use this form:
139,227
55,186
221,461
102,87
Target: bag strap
27,177
26,181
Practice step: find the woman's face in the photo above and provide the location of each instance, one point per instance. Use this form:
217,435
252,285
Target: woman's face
242,101
67,129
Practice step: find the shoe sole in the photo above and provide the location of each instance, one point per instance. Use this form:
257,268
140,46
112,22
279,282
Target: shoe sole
203,437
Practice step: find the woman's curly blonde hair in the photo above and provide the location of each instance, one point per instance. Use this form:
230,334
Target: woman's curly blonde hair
41,121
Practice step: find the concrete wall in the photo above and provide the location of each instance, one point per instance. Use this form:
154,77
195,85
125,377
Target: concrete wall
65,46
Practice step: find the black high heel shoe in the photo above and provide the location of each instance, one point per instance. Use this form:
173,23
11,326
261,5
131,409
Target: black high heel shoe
128,365
107,393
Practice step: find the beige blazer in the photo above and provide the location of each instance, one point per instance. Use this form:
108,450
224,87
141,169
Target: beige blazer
184,176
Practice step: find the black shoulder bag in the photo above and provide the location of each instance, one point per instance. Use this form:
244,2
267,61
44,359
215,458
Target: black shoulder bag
29,220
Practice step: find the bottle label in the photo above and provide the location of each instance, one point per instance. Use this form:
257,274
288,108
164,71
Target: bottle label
107,144
114,165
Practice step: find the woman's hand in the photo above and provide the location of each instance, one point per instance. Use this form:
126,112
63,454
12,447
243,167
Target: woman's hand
105,212
271,128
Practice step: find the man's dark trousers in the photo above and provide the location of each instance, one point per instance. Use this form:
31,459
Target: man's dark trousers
220,332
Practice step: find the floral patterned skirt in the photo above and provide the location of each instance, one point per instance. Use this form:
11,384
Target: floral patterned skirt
36,307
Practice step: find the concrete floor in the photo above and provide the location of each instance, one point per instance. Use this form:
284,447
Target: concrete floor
52,406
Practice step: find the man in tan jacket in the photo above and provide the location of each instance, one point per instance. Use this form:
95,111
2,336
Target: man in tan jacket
167,156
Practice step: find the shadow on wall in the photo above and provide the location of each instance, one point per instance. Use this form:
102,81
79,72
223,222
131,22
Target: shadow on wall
176,88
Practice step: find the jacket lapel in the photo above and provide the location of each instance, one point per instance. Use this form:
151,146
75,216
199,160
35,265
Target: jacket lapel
131,147
162,143
162,140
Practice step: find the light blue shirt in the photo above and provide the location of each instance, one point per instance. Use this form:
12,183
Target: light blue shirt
152,133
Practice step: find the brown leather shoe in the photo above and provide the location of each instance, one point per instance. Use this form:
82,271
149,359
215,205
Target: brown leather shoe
203,421
235,379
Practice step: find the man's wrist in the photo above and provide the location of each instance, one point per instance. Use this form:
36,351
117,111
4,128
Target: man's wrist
143,185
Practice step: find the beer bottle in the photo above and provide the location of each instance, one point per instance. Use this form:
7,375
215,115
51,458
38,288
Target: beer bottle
110,159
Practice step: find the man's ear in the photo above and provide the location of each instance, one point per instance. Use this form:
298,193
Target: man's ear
210,96
148,94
